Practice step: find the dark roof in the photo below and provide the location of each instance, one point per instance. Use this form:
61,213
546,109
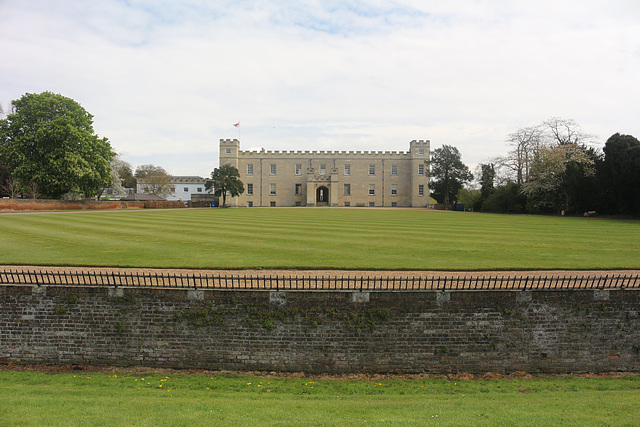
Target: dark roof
141,197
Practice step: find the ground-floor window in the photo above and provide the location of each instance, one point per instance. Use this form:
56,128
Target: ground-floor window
394,204
249,204
347,204
372,204
272,204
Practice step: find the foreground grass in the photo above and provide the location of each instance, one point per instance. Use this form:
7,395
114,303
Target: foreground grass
151,399
318,238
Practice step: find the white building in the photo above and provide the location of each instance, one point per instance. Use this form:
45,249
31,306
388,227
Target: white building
184,186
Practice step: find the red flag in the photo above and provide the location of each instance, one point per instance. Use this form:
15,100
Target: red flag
236,124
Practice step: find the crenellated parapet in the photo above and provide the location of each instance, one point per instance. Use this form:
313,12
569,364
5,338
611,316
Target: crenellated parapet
321,154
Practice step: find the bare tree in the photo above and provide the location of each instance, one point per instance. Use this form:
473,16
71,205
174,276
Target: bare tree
154,180
565,131
11,187
524,143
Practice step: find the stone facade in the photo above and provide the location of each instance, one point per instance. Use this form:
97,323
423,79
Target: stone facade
546,331
321,178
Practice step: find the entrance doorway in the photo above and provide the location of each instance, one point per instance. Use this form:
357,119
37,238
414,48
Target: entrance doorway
322,196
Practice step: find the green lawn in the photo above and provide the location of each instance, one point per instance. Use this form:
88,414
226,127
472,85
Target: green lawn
162,400
318,238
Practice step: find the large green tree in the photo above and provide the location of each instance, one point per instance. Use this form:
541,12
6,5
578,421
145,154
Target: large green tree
48,142
449,174
225,180
620,174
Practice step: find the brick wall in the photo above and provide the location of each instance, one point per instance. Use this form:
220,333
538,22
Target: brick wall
336,332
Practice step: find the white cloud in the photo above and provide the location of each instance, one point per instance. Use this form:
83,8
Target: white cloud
166,80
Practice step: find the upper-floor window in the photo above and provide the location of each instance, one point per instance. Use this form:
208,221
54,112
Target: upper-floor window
394,169
186,189
249,189
273,169
421,152
421,169
250,169
420,190
347,169
298,169
272,189
227,151
347,189
323,169
394,189
372,189
298,189
199,189
372,169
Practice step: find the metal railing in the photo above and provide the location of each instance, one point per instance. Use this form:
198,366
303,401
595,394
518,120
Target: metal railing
315,283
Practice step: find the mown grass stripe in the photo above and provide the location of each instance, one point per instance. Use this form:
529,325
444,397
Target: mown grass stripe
319,238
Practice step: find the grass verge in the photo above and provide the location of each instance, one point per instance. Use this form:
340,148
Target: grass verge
82,398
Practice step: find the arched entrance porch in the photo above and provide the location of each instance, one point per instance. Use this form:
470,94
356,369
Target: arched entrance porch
322,196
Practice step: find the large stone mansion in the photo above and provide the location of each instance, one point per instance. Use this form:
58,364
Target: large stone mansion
321,178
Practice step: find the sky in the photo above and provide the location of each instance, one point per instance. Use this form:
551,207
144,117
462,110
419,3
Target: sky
165,80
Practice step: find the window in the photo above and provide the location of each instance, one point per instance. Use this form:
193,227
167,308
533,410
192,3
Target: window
394,189
272,189
272,204
420,152
273,169
250,169
347,169
249,189
249,204
298,189
394,204
186,189
394,169
372,169
372,204
199,189
372,189
420,190
298,169
347,189
298,203
420,169
323,169
227,151
347,204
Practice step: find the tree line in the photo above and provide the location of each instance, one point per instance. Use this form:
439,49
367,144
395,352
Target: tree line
551,168
48,149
